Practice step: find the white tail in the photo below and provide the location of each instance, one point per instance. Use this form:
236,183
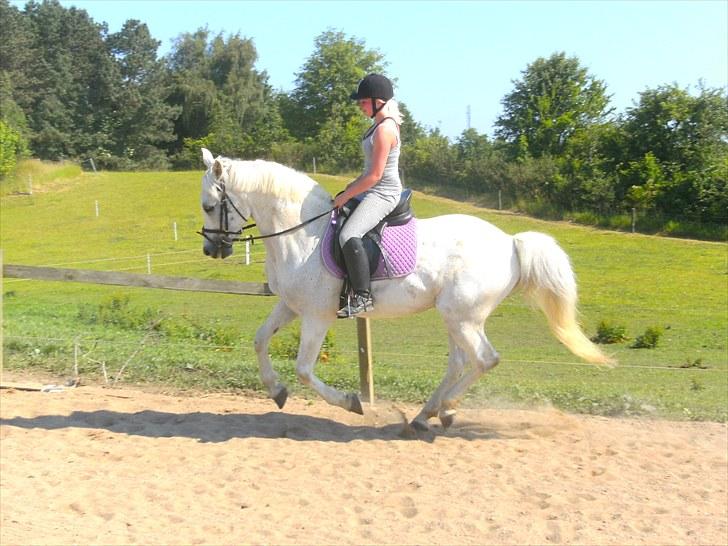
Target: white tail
548,280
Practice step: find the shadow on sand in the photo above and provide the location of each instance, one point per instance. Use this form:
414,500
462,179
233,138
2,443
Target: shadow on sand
213,427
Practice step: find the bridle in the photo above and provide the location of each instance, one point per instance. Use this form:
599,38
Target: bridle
227,237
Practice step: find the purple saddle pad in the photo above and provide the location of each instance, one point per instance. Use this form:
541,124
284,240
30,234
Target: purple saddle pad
399,243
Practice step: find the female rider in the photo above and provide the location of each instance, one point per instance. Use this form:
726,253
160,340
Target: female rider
379,184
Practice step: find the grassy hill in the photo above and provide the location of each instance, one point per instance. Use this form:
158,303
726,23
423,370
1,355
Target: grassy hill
634,282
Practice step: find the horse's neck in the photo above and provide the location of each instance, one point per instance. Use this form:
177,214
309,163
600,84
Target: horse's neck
273,215
281,199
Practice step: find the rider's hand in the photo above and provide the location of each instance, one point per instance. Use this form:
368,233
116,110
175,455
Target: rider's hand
340,200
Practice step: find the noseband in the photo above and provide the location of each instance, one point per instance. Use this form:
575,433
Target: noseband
227,237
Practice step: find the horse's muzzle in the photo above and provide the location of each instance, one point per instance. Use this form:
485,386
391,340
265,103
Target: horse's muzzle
220,249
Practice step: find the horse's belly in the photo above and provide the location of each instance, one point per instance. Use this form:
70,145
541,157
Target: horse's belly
455,253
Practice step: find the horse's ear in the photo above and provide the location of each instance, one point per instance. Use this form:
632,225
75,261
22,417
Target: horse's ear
207,158
217,168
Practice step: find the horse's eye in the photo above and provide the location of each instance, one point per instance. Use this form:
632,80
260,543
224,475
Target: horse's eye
208,208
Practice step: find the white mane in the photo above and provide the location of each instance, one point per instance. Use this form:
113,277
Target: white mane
274,179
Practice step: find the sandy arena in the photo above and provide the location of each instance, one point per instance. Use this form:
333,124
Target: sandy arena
94,465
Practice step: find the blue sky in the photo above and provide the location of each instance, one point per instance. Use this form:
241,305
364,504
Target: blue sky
447,56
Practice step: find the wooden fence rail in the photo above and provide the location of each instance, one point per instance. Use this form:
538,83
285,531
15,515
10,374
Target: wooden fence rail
187,284
135,279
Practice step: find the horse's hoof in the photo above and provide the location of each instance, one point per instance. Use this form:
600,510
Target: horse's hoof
419,426
447,418
281,397
355,404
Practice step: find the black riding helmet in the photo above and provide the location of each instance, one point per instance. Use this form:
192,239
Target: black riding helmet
374,86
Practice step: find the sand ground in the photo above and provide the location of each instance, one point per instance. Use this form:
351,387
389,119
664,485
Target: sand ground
94,465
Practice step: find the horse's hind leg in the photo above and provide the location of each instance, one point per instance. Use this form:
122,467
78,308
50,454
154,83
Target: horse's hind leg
313,332
278,318
483,357
455,364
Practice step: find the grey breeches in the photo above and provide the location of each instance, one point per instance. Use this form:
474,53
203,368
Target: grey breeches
367,215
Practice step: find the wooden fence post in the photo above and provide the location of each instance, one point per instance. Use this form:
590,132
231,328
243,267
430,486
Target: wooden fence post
366,374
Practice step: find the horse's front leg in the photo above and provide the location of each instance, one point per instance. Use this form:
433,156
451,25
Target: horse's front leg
313,332
278,318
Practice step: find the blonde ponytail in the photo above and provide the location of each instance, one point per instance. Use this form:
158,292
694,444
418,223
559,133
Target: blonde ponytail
391,110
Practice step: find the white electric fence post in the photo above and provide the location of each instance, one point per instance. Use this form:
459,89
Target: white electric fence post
97,208
174,226
75,357
247,252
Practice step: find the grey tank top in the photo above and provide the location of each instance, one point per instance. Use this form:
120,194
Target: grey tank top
389,186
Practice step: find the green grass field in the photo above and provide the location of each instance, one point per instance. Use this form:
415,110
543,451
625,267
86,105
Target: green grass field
204,341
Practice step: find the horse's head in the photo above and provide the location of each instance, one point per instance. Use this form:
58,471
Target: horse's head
224,217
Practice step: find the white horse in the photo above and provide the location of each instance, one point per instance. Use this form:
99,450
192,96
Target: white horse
465,268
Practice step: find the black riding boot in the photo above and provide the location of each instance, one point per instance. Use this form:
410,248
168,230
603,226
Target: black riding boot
357,266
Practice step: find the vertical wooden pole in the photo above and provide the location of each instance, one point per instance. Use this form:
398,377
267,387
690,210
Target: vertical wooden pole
366,374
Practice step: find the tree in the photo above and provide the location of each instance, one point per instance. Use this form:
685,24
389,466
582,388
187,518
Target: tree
60,77
411,131
676,152
555,98
222,97
681,130
17,54
11,147
481,166
431,159
72,76
143,121
325,82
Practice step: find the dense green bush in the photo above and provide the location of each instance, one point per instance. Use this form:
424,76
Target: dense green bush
608,332
649,339
12,147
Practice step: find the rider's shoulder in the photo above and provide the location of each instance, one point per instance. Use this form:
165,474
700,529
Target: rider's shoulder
389,127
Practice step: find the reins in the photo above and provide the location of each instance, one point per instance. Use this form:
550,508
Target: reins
252,238
224,231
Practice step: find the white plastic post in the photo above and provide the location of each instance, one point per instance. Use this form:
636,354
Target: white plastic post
97,208
174,226
247,252
149,264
